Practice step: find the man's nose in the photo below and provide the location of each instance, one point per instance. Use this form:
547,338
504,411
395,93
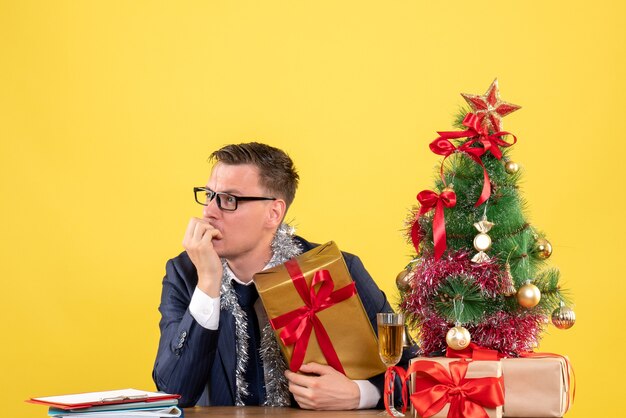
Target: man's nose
211,210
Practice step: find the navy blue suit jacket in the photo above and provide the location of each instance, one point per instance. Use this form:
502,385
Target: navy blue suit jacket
190,356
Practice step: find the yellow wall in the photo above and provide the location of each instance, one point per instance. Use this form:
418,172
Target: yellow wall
109,109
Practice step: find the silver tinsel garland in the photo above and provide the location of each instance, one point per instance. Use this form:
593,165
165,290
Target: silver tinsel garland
284,248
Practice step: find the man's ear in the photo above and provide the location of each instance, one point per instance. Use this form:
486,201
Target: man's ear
276,213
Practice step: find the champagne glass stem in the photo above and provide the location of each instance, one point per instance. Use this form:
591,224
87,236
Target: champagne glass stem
392,406
390,377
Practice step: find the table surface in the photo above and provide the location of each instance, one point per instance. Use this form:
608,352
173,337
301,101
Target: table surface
256,411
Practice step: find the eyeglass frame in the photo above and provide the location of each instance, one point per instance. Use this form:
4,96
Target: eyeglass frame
216,195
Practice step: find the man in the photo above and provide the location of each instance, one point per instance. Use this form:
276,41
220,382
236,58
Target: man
216,346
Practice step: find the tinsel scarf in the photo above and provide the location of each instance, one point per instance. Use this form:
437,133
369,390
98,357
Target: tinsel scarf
284,247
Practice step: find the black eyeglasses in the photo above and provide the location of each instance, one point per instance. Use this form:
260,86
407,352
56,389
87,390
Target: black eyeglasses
225,201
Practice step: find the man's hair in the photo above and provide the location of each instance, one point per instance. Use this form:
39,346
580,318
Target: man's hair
277,172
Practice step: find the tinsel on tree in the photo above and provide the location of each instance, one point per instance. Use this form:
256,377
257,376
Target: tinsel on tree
480,270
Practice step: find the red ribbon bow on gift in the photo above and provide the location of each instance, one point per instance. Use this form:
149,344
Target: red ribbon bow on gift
435,387
429,200
299,323
477,134
475,352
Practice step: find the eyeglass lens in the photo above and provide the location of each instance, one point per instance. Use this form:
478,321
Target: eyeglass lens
224,200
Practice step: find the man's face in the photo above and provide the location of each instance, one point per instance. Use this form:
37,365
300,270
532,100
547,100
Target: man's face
246,228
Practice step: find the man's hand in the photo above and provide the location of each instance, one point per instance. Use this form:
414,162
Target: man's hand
329,390
198,242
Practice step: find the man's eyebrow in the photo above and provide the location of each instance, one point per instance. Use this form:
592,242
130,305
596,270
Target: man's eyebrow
229,191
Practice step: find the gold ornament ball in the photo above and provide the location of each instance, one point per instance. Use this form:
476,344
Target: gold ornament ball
563,317
403,281
458,338
528,295
482,242
543,248
511,167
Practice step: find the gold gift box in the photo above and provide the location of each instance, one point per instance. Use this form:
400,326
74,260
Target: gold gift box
535,387
475,370
346,322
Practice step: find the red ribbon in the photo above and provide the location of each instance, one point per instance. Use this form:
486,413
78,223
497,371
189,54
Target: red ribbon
417,234
389,387
475,352
477,135
429,200
435,386
299,323
480,134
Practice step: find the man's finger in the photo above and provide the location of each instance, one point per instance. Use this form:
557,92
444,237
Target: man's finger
201,228
302,395
304,403
299,379
319,369
191,226
300,391
210,234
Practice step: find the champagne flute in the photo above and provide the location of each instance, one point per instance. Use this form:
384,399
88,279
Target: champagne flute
390,330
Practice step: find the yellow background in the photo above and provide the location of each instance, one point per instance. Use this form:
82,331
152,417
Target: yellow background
109,110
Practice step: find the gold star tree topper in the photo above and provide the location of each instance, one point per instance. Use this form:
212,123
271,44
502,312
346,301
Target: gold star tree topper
489,108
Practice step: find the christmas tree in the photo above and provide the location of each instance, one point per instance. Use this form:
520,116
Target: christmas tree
480,270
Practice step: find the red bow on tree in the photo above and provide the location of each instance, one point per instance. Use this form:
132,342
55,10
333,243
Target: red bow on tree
429,200
477,135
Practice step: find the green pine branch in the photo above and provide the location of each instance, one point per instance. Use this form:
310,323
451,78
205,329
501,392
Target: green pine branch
460,300
551,295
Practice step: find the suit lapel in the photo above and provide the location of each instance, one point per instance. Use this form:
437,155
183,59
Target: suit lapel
227,349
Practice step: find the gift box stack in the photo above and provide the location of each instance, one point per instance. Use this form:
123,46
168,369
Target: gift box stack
478,291
538,386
